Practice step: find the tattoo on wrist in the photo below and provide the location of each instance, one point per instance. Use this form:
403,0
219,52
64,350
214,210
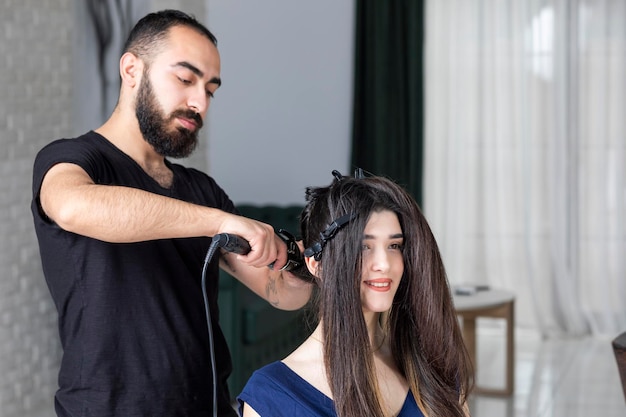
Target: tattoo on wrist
271,291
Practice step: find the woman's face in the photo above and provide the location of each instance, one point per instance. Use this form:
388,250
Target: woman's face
383,264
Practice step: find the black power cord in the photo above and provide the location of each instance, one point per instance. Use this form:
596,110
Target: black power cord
230,243
236,244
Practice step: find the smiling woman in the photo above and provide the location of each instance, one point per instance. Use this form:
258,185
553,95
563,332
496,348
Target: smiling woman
382,262
385,314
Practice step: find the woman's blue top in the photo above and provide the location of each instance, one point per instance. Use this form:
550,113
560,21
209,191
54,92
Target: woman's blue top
277,391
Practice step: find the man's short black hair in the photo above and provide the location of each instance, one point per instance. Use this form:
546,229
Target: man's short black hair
151,30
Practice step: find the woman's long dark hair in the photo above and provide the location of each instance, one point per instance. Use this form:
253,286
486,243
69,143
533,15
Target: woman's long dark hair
422,326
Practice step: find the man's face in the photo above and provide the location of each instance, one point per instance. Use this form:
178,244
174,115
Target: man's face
175,91
159,129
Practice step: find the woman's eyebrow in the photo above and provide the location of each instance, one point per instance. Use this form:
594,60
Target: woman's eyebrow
392,236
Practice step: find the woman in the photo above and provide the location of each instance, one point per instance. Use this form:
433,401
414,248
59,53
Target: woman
388,341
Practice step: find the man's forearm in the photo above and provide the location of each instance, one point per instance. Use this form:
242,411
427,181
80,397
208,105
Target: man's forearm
117,214
122,214
281,289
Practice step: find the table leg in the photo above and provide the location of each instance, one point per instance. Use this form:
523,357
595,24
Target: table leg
469,336
510,348
504,311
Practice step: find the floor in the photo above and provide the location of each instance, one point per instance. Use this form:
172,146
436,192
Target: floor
571,377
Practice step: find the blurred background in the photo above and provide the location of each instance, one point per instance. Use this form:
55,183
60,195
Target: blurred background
505,120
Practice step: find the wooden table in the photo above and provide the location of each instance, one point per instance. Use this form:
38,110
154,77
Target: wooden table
492,303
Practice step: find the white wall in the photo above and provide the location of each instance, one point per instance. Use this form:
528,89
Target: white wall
282,118
35,101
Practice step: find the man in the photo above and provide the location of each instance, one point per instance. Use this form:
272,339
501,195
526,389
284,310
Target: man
123,233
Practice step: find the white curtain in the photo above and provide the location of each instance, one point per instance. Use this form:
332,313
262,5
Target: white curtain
525,170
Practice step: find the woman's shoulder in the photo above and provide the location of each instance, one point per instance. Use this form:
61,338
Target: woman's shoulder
307,361
276,390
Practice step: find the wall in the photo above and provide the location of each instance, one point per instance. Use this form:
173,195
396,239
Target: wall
35,95
286,103
281,120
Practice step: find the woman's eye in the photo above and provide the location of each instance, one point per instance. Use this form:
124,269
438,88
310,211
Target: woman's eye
396,246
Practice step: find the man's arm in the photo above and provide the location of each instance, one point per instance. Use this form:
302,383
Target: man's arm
117,214
281,289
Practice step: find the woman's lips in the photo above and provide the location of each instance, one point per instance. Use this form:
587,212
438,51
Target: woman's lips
378,284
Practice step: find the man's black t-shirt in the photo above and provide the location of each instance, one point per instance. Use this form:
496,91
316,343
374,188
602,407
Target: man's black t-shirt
131,316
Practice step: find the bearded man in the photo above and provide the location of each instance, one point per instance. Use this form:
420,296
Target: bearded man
123,233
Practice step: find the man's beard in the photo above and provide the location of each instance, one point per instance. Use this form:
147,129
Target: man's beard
175,142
